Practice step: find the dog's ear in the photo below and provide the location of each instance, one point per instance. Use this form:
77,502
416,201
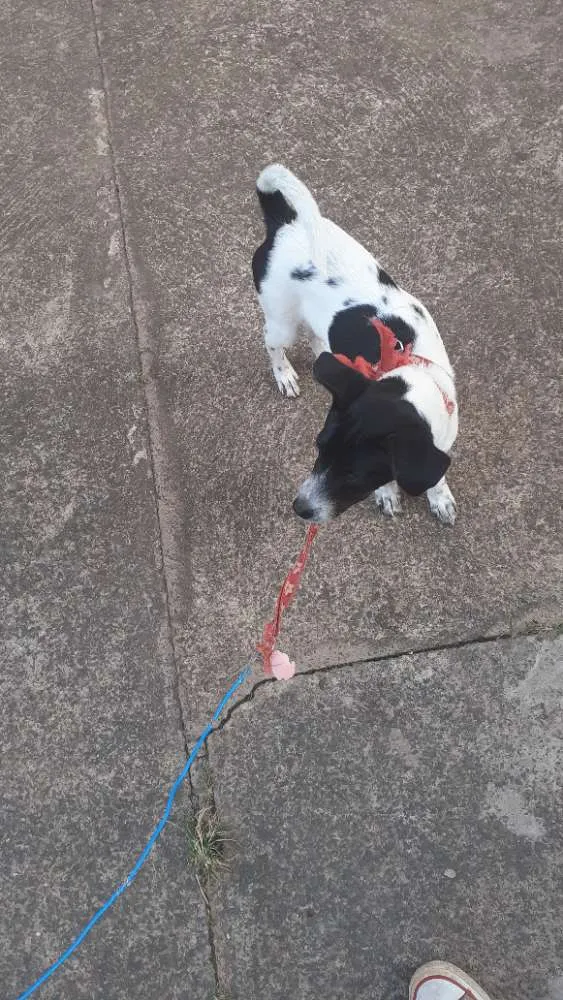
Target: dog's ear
344,384
417,463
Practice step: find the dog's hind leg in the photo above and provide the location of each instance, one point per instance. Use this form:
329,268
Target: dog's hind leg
277,336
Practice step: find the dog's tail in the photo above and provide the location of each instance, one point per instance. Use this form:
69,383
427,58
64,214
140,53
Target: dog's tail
284,198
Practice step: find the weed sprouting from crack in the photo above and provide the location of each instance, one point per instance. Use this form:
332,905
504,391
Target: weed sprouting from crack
206,841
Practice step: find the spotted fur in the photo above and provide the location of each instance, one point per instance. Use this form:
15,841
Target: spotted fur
398,430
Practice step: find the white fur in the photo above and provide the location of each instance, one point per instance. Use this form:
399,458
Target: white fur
287,303
442,503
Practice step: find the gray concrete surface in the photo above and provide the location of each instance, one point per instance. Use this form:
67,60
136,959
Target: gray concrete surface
150,465
90,723
432,133
388,815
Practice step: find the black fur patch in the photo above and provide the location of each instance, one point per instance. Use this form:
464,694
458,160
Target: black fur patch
418,311
394,386
276,213
342,382
385,278
304,273
352,334
348,302
260,260
371,436
275,210
403,331
333,282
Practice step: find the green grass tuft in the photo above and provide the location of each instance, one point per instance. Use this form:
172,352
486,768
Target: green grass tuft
207,842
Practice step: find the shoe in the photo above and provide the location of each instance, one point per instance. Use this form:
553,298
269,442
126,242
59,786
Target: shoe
442,981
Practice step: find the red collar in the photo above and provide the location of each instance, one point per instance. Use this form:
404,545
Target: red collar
392,355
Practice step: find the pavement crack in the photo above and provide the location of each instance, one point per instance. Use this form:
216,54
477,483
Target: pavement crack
368,661
167,501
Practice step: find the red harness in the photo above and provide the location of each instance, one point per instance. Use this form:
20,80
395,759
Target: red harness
391,358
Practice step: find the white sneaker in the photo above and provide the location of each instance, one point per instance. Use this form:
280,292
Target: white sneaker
442,981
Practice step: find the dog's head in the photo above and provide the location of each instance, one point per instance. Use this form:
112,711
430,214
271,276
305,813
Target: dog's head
371,436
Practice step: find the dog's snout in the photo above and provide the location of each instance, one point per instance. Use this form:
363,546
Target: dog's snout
303,508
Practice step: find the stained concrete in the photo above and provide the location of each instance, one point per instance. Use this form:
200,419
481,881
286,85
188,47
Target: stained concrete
150,467
392,814
90,722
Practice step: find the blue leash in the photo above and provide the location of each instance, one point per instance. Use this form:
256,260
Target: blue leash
244,674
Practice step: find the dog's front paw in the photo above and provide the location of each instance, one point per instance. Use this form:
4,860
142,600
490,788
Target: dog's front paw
287,380
442,503
388,499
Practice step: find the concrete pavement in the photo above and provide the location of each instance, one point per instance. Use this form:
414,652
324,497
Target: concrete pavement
90,718
388,814
438,149
150,466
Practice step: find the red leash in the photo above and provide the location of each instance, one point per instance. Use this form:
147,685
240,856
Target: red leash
287,592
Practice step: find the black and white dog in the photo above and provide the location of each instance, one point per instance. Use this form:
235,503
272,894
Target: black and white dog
394,412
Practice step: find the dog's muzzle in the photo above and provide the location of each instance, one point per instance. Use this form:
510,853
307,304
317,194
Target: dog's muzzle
311,503
303,508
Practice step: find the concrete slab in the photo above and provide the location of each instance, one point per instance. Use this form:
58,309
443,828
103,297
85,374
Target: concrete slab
431,132
385,816
89,713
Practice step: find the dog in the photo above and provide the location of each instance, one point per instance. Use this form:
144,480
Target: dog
394,412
